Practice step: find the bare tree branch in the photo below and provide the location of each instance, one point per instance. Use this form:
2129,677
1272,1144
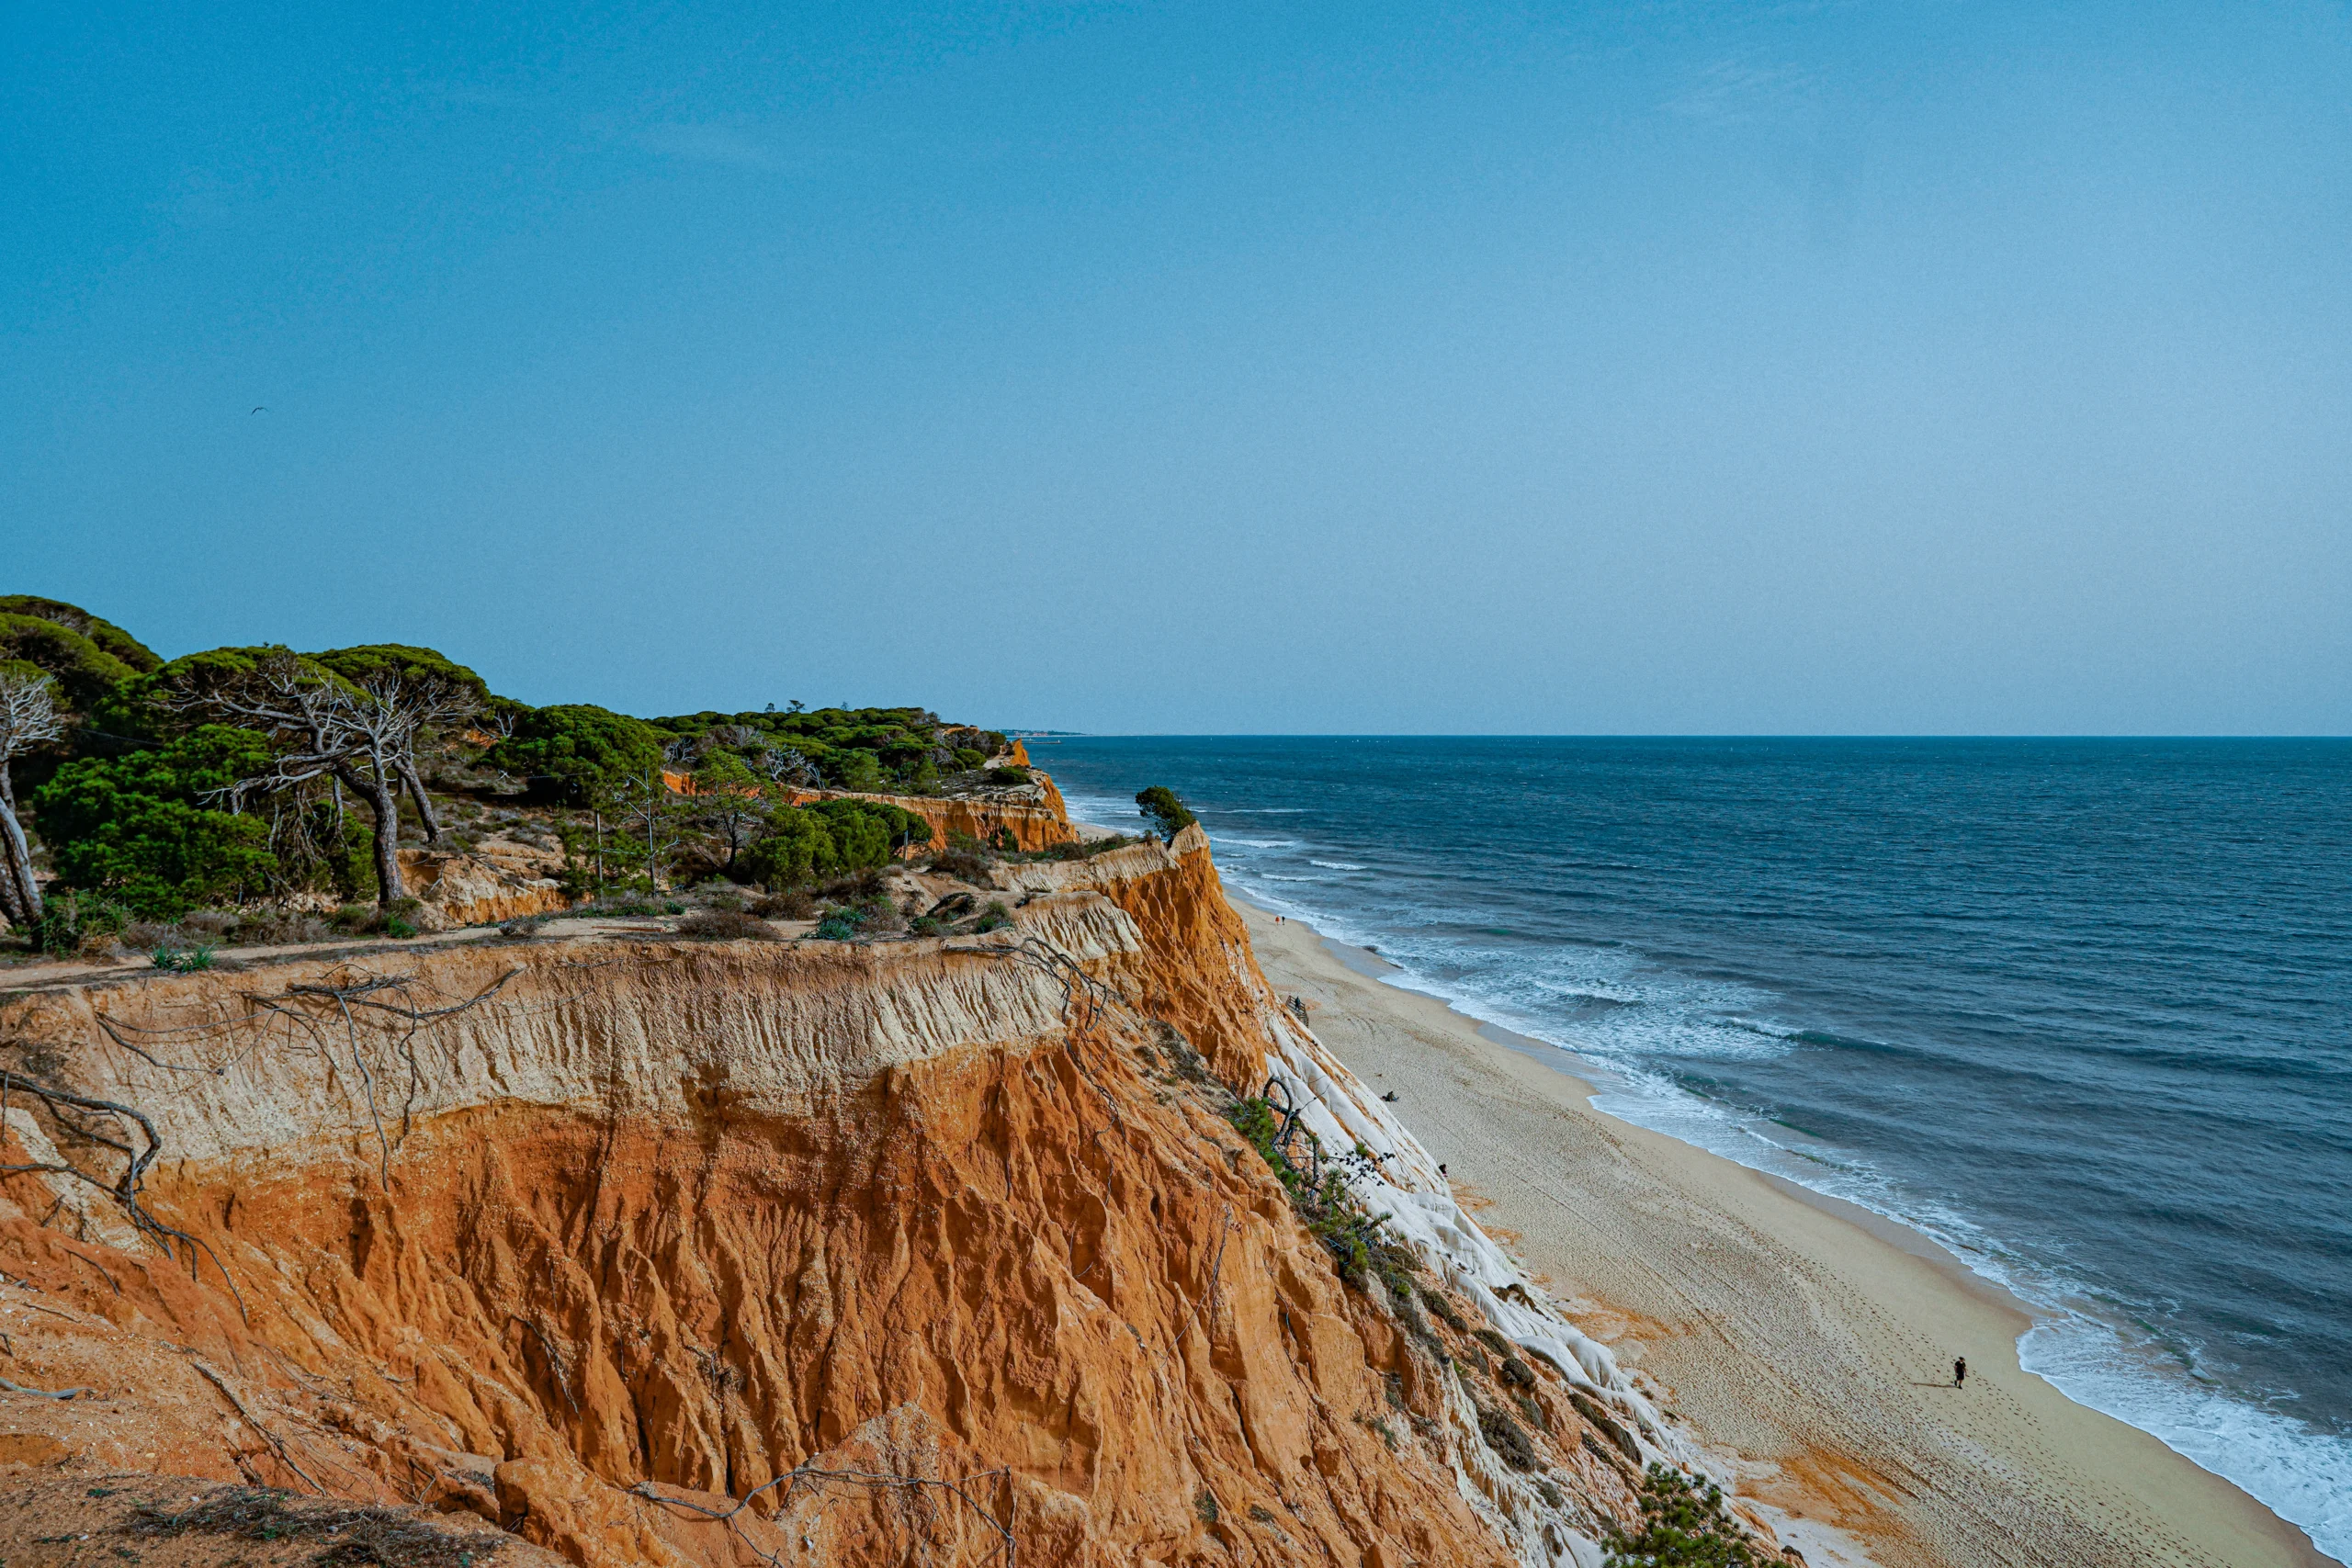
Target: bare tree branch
29,717
362,734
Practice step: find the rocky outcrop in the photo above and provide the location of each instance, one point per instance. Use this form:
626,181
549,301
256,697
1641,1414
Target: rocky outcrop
921,1247
1033,815
497,880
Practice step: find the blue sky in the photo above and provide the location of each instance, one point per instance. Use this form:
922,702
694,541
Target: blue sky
1925,367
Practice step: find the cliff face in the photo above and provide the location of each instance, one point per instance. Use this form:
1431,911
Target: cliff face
495,881
1034,817
928,1248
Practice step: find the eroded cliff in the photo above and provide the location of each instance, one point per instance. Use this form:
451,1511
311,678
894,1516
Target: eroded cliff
935,1250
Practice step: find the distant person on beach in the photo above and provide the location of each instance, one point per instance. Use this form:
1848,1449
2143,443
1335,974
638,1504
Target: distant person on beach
1959,1372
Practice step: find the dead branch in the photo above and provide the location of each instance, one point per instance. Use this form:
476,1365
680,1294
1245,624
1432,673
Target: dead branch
1224,1234
362,734
1085,1001
277,1444
124,1188
43,1392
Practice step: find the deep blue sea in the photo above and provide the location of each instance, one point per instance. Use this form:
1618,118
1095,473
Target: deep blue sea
2080,1010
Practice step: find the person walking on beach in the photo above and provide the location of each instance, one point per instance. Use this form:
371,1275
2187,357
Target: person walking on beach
1959,1372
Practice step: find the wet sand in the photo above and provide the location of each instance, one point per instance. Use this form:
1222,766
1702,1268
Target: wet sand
1804,1341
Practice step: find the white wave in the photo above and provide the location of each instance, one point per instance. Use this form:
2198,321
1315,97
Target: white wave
1336,864
1254,843
2301,1473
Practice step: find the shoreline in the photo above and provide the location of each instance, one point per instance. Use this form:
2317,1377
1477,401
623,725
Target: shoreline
1803,1341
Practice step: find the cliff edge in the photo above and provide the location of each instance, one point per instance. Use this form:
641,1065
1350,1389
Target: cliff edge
649,1249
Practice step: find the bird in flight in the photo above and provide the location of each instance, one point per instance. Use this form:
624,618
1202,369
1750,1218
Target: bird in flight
257,410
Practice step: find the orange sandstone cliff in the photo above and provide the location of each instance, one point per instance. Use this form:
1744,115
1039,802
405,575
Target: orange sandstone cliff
650,1250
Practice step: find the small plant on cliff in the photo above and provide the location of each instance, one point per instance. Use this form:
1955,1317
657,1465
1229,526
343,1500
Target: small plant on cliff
1170,816
869,917
1508,1439
1682,1527
187,959
1359,1246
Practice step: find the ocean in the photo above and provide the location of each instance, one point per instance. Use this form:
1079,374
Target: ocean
2081,1011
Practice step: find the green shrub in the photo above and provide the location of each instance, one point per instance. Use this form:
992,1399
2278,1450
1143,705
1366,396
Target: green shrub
1167,813
587,750
966,758
827,837
66,923
1682,1528
1008,776
854,769
136,828
798,847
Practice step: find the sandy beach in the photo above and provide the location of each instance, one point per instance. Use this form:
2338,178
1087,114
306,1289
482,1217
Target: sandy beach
1805,1342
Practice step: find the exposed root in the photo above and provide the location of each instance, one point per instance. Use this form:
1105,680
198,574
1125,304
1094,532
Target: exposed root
277,1444
126,1131
69,1110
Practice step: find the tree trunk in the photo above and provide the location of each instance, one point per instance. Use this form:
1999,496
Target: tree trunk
384,799
20,892
416,784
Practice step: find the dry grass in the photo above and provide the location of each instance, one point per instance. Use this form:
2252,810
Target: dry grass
726,925
349,1534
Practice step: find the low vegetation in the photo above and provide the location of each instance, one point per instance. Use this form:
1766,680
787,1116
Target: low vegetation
251,795
1682,1527
1359,1243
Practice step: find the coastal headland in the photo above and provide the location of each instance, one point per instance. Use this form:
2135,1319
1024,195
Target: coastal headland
854,1160
1804,1341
